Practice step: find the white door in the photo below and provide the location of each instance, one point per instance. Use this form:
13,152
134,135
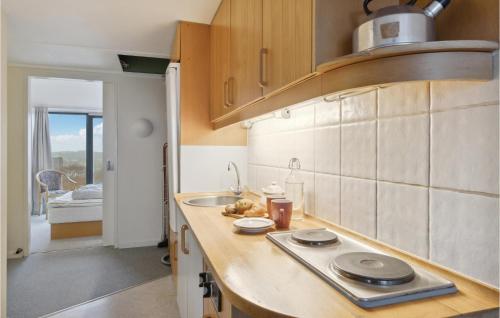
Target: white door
110,163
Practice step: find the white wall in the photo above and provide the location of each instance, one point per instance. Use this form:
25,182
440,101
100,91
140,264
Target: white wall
204,168
138,167
414,165
3,165
61,93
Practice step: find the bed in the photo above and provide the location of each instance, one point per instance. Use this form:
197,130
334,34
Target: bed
69,217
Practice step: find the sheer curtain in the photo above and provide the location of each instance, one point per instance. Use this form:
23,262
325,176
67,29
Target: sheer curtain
41,155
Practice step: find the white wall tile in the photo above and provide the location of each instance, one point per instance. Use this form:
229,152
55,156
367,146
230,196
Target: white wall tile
359,107
327,197
252,177
358,150
464,233
358,205
403,149
308,178
269,149
309,191
251,146
403,99
452,94
303,148
327,113
265,176
403,217
462,154
285,148
464,149
303,117
327,149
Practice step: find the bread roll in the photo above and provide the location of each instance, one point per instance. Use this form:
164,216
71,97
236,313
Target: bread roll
230,208
255,211
243,205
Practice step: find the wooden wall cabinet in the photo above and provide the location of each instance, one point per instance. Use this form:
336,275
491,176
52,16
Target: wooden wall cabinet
219,61
270,45
192,47
287,42
246,44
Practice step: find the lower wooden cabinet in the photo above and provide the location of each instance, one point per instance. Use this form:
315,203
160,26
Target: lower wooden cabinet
172,250
210,309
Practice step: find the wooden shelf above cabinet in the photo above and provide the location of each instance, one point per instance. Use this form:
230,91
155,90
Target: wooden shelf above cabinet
441,60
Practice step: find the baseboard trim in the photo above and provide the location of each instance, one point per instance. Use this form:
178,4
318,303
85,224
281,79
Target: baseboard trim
13,255
138,244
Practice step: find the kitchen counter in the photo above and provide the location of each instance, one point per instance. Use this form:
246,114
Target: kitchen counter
261,280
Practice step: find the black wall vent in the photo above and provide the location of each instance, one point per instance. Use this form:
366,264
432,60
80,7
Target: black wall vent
143,64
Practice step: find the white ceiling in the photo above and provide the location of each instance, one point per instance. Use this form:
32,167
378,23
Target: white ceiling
89,33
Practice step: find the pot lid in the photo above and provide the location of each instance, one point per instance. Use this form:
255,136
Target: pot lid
273,188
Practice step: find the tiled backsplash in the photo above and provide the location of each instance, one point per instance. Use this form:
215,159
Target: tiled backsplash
414,165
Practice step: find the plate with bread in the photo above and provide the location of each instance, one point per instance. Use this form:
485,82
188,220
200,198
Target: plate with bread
244,208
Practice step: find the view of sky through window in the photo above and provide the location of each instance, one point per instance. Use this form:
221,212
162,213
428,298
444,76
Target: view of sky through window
69,141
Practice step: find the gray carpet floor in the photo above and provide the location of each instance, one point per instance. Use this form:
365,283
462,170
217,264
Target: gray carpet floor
47,282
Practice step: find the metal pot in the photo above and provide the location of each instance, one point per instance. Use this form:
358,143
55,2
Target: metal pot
396,25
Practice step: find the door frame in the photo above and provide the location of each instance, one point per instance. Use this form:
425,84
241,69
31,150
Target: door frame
110,141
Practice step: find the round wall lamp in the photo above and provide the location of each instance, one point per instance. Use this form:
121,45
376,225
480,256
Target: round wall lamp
142,128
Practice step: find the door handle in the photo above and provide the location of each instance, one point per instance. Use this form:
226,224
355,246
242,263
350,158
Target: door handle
184,249
263,67
109,165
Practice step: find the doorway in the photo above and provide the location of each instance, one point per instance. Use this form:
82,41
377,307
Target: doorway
66,165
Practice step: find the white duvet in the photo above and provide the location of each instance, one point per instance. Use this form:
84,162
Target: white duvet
89,191
67,200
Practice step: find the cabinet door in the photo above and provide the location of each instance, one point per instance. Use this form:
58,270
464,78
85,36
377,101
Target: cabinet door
219,60
245,43
182,274
287,41
194,292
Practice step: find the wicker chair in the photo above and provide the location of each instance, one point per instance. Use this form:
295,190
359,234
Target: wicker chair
50,185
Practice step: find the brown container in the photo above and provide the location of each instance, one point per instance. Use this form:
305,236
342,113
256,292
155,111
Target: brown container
281,212
269,198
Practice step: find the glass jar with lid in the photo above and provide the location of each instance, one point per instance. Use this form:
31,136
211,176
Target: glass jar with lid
294,189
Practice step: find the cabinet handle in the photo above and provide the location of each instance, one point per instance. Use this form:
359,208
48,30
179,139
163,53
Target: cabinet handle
226,103
184,249
263,67
230,97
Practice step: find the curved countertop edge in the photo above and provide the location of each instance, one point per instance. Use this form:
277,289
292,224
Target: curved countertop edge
252,308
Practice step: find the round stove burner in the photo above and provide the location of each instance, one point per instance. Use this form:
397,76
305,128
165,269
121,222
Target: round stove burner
314,237
372,268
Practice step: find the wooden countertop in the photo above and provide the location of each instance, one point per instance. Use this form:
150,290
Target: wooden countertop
263,281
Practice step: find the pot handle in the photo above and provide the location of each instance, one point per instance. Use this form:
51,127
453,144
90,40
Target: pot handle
368,11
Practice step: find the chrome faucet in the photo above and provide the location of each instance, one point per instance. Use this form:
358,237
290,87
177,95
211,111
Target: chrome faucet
236,190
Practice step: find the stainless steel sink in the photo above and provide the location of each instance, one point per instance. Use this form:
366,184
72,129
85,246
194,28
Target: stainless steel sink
213,200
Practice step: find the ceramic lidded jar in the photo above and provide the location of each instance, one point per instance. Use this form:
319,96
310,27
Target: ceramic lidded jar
271,190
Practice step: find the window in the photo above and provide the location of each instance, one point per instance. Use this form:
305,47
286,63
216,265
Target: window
76,140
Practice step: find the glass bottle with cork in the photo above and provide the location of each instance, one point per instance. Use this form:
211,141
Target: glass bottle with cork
294,189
